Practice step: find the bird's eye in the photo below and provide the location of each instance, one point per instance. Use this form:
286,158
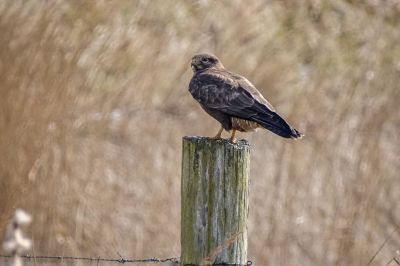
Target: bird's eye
205,60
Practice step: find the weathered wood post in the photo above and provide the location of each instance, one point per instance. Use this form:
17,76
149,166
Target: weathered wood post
214,201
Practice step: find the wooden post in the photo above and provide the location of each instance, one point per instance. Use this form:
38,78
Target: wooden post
214,201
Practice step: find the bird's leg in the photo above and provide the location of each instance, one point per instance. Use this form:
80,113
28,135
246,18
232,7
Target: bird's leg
218,136
233,139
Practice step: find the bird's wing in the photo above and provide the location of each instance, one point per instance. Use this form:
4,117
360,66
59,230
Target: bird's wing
237,97
226,93
250,88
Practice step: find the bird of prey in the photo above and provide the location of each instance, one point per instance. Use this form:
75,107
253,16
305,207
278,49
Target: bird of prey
233,101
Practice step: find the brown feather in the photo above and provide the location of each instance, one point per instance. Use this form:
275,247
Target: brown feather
244,125
233,100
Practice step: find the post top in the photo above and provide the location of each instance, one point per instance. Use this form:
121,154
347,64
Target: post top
203,140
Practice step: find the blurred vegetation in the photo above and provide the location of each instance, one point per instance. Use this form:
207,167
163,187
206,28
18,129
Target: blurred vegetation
94,103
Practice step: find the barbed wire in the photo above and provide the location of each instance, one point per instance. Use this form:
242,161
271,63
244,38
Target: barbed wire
96,259
100,259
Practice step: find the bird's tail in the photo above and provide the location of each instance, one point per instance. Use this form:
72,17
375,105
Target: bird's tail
278,125
296,134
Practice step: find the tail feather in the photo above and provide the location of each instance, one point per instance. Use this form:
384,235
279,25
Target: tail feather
296,134
277,125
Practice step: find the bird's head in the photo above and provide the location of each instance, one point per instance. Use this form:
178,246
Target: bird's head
202,62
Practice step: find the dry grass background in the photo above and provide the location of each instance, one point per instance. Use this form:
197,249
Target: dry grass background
94,103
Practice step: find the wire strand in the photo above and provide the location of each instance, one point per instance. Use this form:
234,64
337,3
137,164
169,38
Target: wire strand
120,260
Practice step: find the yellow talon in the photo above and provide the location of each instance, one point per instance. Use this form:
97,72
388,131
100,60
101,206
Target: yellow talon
233,139
218,136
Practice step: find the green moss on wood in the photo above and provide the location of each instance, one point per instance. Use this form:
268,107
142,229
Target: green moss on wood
214,205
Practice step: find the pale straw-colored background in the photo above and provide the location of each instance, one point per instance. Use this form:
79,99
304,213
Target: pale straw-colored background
94,103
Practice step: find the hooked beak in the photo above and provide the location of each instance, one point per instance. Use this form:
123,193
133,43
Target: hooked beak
194,68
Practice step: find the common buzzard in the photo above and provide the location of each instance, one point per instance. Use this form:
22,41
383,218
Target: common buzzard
233,100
